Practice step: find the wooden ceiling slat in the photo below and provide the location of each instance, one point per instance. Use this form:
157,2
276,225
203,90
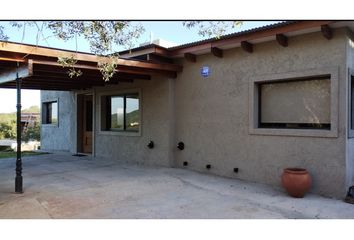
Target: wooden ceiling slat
63,73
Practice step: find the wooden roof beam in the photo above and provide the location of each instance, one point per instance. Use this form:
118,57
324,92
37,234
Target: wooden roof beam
41,86
62,74
190,57
32,87
247,46
282,39
33,51
217,52
78,80
11,74
327,32
297,26
120,68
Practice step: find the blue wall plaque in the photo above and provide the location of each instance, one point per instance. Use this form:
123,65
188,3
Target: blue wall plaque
205,71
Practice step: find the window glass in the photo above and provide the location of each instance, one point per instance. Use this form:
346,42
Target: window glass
54,112
132,112
295,104
50,113
117,113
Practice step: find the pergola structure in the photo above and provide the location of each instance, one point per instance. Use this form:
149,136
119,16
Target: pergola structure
25,66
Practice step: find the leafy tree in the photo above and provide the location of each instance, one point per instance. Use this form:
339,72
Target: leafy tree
8,125
3,37
8,130
32,133
212,28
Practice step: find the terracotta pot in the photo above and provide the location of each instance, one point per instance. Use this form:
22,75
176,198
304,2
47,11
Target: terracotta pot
296,181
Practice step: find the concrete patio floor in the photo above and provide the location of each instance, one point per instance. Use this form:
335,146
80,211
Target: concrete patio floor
62,186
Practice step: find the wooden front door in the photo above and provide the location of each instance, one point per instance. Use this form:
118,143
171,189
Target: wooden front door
87,124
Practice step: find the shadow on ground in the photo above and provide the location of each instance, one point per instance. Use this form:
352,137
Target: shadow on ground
63,186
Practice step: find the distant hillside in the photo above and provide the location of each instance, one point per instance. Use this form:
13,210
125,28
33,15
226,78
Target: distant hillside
131,117
32,109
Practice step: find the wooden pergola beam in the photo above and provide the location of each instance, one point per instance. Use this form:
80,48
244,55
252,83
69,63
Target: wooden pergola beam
247,46
75,80
39,82
120,69
217,52
22,71
40,87
62,73
327,32
282,40
190,57
32,51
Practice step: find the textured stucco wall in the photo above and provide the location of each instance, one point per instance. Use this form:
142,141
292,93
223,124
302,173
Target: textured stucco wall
156,121
350,132
61,137
212,115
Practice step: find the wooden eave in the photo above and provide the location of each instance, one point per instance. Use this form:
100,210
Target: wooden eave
206,46
47,74
215,46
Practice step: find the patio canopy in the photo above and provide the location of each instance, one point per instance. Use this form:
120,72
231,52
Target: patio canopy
39,69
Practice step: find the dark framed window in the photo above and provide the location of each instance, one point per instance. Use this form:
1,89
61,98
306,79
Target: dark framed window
351,102
120,112
295,104
50,112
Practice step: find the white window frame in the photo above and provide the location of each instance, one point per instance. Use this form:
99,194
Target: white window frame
294,76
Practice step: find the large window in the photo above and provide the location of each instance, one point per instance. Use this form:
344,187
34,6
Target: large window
303,103
120,112
50,112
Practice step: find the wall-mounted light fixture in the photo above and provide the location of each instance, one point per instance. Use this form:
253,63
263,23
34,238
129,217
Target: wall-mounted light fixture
180,145
151,145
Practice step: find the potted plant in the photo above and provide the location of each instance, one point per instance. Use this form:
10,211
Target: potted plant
296,181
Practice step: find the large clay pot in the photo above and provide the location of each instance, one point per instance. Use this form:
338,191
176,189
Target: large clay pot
296,181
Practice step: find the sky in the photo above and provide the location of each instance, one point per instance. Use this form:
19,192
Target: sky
172,31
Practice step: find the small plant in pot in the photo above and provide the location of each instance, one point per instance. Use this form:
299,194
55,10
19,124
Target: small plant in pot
296,181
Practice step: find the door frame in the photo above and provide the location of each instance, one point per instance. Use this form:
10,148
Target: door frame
79,119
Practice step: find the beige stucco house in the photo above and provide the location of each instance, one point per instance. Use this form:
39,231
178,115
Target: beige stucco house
244,106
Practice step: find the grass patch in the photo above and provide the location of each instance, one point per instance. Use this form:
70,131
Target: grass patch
12,154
